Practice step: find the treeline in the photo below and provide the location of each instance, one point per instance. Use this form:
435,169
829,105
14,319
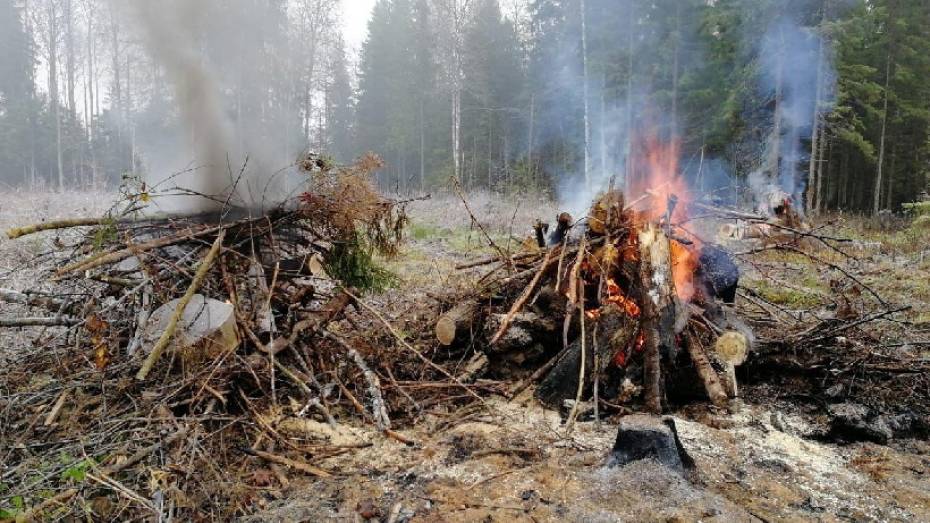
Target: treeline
89,89
560,90
829,100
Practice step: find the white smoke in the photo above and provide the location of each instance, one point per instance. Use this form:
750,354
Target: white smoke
791,55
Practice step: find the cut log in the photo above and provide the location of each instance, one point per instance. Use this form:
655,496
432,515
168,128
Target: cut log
658,304
457,325
733,348
205,330
613,332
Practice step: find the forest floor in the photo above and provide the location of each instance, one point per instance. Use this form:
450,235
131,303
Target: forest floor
514,461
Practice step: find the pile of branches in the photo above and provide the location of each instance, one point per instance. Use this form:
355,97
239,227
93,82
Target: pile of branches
616,309
630,309
166,349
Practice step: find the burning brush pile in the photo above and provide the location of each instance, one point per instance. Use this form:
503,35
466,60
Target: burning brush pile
201,338
625,306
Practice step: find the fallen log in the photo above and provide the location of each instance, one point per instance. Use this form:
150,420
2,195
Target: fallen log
715,391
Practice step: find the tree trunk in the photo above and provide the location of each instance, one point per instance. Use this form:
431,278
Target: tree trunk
821,160
889,198
490,156
586,94
774,168
117,81
53,37
529,143
813,182
876,202
889,67
422,150
70,65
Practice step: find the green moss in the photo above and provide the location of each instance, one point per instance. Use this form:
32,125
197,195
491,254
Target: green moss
785,296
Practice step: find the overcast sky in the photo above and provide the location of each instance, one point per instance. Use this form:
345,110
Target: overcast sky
356,14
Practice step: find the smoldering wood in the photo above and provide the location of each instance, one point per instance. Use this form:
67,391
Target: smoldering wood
612,332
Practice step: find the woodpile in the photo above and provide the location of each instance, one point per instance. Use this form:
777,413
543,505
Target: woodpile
620,301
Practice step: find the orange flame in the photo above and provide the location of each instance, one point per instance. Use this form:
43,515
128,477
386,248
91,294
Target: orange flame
655,174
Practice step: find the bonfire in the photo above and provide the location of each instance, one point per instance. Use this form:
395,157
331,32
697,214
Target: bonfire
618,296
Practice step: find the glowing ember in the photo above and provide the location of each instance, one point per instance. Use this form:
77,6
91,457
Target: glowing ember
616,296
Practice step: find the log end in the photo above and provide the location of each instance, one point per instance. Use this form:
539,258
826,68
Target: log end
733,347
445,331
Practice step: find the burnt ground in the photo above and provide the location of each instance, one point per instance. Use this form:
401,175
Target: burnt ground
773,459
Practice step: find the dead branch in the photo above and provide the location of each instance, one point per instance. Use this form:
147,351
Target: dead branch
378,406
19,232
290,463
525,296
55,321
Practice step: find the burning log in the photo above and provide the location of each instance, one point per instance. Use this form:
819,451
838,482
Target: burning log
612,332
659,310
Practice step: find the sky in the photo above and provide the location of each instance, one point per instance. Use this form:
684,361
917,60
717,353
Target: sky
356,14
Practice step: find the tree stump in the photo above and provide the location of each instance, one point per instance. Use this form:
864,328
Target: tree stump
642,437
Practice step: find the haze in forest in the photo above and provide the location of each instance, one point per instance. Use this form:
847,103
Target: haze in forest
822,101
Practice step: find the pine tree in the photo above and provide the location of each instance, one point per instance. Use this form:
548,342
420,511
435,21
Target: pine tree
18,106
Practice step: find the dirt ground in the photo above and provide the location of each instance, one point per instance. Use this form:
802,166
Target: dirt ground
514,461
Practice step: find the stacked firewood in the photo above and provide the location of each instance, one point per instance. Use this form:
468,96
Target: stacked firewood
616,307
